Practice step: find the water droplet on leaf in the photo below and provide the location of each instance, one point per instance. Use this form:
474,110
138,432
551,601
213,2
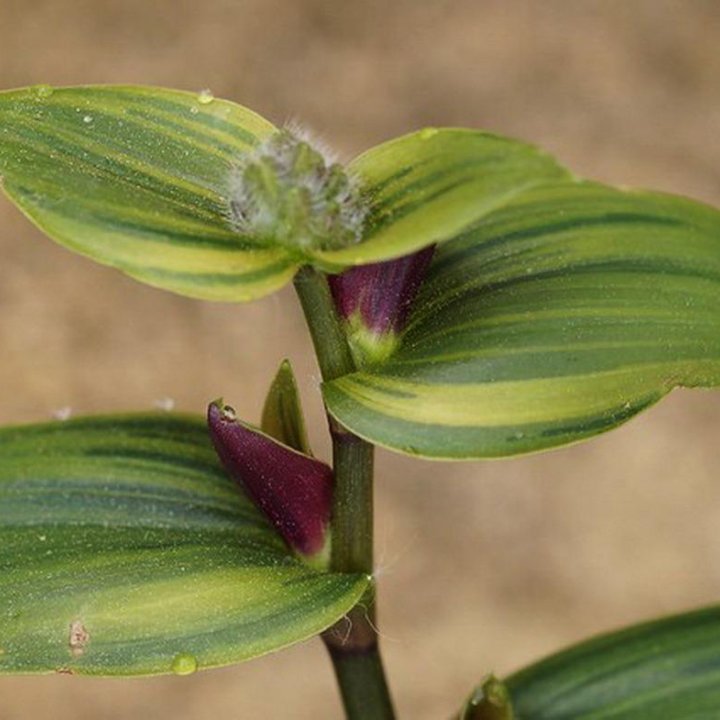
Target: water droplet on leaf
167,404
194,110
228,413
87,119
43,91
184,664
63,413
205,97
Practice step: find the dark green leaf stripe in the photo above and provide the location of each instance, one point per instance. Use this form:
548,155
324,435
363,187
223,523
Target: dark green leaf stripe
138,178
425,187
125,550
559,316
668,669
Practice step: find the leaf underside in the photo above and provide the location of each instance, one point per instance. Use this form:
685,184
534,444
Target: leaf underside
557,317
126,550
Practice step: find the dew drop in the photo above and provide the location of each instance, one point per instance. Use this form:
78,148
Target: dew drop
205,97
87,119
228,413
184,664
62,414
43,91
167,404
194,110
427,133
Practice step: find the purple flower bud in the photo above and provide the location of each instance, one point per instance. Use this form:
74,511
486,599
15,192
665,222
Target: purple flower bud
375,301
294,491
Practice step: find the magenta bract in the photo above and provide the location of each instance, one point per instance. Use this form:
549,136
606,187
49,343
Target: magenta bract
293,490
375,300
381,292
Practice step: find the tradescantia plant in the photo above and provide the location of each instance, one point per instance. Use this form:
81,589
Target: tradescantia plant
467,297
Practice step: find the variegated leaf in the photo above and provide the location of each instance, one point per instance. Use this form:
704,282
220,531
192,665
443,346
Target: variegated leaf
559,316
126,550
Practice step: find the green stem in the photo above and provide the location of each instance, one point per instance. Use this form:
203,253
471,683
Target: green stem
362,684
328,336
352,518
352,642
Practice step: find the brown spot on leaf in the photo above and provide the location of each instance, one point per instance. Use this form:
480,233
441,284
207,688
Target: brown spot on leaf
79,638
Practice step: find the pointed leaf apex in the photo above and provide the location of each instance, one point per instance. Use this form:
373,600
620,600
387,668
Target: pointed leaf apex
282,415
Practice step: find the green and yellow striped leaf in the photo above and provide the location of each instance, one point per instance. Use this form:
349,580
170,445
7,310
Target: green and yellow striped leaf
425,187
140,179
559,316
137,178
668,669
125,550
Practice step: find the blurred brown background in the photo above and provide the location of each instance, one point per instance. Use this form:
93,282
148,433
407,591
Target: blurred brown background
484,565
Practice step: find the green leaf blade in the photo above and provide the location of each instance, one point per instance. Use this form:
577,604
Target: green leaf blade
125,550
560,316
428,186
282,415
668,669
138,178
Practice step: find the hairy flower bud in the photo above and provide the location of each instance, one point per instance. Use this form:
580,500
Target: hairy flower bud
293,490
285,192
